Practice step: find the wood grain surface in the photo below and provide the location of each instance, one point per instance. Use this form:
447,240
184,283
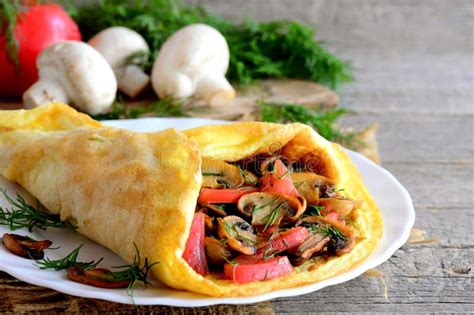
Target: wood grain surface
414,69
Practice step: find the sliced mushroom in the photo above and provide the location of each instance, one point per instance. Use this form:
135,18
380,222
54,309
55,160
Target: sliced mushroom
239,234
219,174
217,209
312,186
342,206
24,246
209,223
339,246
99,277
312,245
267,165
322,220
269,209
217,252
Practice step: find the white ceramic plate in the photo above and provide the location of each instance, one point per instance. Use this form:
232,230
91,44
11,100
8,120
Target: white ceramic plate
393,199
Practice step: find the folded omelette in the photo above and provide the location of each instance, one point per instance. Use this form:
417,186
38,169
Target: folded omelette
231,210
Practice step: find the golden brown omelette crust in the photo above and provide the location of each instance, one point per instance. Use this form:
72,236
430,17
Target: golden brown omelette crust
152,203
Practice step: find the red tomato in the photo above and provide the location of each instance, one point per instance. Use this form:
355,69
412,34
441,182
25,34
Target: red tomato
279,181
286,240
38,27
233,195
194,252
251,268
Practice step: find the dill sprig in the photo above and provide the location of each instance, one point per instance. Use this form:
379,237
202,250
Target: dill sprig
257,50
245,175
24,215
162,108
313,210
327,230
323,121
69,260
9,11
136,272
274,215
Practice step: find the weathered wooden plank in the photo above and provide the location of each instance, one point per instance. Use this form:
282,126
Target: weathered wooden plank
411,137
437,25
386,294
437,185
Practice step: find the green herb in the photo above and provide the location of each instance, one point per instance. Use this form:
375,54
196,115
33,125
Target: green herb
229,229
212,174
23,215
9,10
163,108
136,272
268,204
244,239
230,262
314,210
327,230
245,175
273,216
68,261
267,253
257,50
322,121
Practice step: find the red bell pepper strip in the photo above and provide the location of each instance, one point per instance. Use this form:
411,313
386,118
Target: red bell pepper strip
208,195
194,252
252,268
278,181
286,240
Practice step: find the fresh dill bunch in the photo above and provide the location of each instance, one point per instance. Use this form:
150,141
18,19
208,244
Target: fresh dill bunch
322,121
9,10
257,50
69,260
167,107
24,215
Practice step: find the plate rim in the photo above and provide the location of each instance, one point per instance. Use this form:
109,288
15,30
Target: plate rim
202,300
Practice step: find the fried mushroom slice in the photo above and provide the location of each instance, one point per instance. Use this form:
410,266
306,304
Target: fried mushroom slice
98,277
217,252
24,246
267,208
240,235
312,245
342,206
311,186
219,174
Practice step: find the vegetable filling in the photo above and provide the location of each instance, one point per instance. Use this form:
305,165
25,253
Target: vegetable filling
260,217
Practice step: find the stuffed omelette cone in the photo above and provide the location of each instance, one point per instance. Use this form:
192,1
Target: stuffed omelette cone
232,210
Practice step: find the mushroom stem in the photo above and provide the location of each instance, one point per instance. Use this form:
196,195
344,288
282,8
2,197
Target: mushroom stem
43,92
131,80
117,44
214,88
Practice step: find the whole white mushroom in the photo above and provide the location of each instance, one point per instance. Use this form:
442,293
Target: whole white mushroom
73,72
193,61
116,44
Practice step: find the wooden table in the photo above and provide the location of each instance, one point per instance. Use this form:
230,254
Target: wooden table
414,67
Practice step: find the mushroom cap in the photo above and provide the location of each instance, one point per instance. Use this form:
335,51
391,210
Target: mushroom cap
82,71
192,47
117,43
188,53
